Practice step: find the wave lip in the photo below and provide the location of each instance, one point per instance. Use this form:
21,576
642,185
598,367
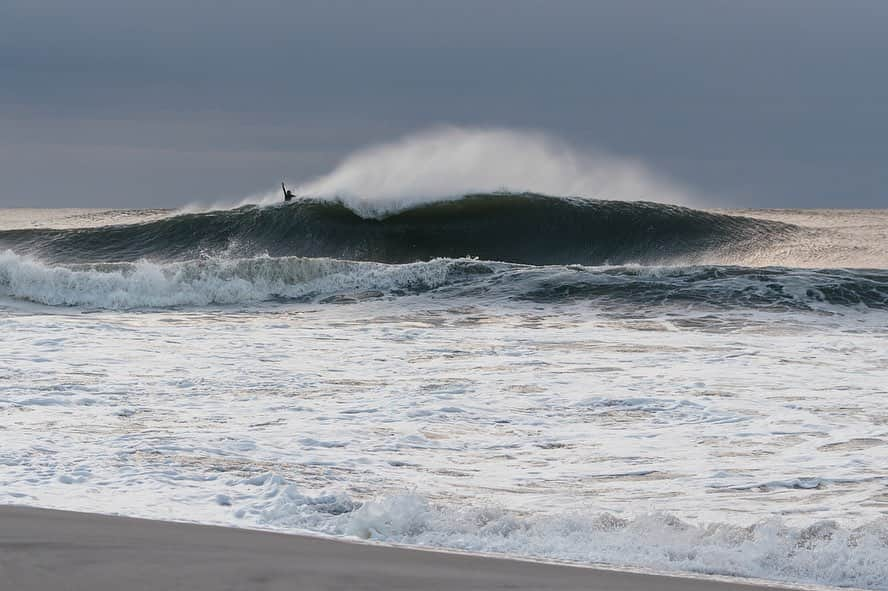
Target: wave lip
519,228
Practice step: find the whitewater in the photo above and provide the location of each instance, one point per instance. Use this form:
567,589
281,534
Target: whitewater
580,364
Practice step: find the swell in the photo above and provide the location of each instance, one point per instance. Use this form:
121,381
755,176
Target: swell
245,281
520,228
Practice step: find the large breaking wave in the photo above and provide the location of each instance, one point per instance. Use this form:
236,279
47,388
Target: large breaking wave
520,228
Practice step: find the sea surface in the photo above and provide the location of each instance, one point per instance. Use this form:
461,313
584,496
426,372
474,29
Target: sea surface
626,383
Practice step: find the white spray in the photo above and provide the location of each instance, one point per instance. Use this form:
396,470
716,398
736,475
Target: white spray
448,162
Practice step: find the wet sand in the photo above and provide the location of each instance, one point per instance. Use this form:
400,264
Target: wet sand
44,549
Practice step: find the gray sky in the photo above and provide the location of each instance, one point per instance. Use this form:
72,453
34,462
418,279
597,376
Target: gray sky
161,103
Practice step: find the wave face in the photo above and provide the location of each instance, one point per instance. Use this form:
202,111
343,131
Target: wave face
519,228
228,281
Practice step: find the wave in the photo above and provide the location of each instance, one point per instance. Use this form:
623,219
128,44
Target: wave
243,281
446,162
204,282
520,228
823,552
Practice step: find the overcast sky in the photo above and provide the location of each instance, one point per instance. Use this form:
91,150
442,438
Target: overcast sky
162,103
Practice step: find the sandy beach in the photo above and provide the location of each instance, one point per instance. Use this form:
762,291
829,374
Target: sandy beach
44,549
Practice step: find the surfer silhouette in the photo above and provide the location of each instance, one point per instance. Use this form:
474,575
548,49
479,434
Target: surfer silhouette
288,195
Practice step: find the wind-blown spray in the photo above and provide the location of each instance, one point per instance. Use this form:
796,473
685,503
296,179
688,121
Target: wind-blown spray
449,162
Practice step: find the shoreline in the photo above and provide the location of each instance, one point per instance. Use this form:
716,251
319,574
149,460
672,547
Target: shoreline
48,548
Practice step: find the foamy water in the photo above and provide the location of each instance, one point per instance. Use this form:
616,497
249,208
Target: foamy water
748,444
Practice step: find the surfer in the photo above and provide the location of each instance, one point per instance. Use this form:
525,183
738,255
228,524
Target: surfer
288,195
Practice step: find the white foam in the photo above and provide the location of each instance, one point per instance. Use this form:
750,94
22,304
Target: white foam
199,283
448,162
822,552
660,438
226,281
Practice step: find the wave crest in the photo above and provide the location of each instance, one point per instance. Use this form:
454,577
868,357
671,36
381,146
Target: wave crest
205,282
448,162
243,281
519,228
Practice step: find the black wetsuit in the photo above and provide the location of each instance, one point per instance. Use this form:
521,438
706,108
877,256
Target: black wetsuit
288,195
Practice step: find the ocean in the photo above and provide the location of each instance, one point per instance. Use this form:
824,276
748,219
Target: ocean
604,382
